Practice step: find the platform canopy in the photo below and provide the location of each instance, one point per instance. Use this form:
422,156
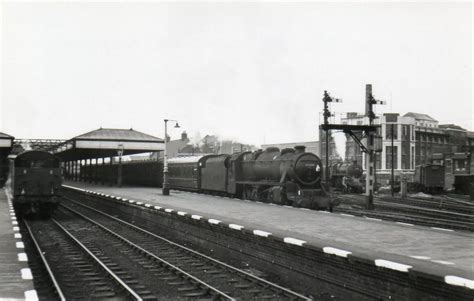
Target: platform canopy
6,141
103,143
6,144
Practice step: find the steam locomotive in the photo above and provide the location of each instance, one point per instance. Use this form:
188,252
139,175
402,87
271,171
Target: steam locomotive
347,176
287,177
34,182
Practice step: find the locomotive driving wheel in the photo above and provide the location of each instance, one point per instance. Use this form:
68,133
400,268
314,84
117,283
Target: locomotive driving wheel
250,193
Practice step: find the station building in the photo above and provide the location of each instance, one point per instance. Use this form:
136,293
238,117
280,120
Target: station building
417,139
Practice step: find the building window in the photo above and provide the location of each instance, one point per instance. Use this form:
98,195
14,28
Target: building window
412,157
388,157
388,131
460,165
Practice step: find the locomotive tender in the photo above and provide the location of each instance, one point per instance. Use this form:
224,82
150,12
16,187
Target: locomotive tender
35,182
287,177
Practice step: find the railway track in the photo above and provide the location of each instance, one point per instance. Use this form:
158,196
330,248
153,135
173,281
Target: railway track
154,267
73,270
411,210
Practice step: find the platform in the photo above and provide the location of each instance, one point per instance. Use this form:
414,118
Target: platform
441,252
15,276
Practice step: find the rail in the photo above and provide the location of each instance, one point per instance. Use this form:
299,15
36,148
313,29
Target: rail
45,263
245,274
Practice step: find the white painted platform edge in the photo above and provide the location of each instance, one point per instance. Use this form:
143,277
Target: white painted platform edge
72,187
157,207
22,257
197,217
459,281
392,265
421,257
337,252
442,229
214,221
294,241
373,219
26,274
169,210
261,233
404,224
182,213
443,262
236,227
20,245
31,295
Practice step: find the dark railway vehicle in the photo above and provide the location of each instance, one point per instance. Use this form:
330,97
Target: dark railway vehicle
291,177
142,173
199,173
429,178
35,182
347,176
464,184
185,172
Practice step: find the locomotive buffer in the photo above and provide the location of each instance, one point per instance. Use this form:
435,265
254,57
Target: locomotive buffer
368,133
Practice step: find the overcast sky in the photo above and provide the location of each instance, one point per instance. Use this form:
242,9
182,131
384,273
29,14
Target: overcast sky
254,72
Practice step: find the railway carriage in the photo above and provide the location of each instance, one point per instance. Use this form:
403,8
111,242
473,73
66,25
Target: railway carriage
184,173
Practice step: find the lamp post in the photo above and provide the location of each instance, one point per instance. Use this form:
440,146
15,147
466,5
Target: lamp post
119,168
166,189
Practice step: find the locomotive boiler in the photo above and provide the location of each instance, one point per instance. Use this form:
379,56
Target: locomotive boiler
290,176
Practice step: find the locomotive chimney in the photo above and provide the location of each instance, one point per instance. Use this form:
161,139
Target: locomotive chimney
300,149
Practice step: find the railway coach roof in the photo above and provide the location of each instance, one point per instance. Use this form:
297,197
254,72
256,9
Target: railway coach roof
103,143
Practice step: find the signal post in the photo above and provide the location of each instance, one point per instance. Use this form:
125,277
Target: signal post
368,133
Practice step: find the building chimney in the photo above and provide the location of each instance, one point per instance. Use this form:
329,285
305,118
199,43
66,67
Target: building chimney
184,136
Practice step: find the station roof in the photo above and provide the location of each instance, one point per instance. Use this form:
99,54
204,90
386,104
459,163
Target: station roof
6,141
419,116
102,143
